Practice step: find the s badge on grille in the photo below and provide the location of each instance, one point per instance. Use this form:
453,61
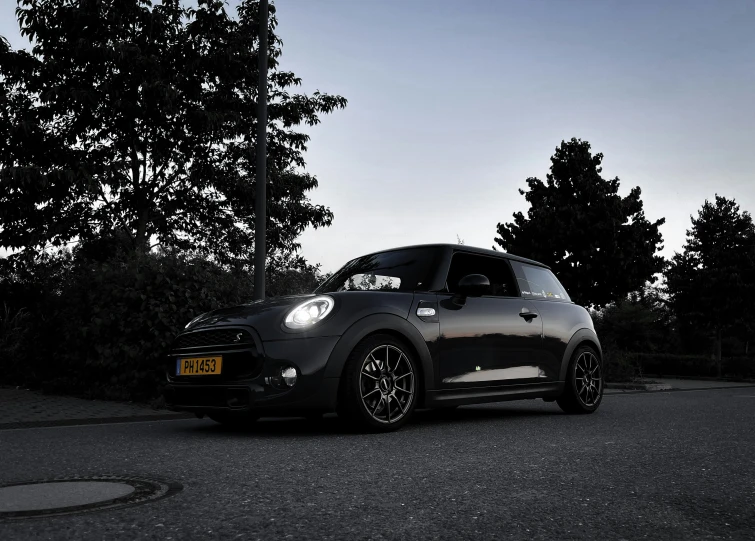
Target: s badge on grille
239,336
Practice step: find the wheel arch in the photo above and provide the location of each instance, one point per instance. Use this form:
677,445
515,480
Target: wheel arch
389,324
583,337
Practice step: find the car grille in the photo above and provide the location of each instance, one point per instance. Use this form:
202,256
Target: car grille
215,337
241,358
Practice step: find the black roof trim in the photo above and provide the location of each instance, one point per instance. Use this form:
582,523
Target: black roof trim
465,248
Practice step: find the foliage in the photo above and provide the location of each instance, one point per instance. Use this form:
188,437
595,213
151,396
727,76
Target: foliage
137,120
598,243
13,337
291,275
667,364
620,366
641,322
711,283
104,329
27,283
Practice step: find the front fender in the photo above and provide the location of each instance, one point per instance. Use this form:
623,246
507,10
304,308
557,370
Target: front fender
372,324
578,338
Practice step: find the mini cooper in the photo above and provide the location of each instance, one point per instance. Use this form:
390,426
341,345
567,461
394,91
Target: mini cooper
431,326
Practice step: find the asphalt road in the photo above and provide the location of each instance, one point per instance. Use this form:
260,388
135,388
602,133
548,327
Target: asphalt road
672,465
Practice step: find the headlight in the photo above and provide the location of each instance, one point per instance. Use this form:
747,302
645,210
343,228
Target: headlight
309,312
193,321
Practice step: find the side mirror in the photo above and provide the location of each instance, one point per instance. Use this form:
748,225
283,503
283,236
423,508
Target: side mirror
474,285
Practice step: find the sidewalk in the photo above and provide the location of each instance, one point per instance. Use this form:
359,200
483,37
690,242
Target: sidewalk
26,409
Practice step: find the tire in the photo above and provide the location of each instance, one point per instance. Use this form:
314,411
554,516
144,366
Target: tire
234,420
376,396
583,389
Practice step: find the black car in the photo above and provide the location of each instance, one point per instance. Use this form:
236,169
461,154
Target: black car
432,326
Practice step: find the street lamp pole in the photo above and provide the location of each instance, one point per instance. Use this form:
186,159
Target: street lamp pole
260,207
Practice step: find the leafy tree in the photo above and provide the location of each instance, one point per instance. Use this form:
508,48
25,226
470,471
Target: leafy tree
135,118
599,244
711,283
640,323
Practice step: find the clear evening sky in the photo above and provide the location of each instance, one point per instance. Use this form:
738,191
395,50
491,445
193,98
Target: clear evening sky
453,104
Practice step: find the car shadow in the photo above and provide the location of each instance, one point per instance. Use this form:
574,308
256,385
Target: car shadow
331,425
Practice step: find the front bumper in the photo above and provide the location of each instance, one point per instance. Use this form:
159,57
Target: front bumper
246,385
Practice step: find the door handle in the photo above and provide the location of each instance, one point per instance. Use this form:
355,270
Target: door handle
528,315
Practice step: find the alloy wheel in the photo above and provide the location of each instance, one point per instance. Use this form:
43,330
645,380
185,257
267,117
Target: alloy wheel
386,384
589,379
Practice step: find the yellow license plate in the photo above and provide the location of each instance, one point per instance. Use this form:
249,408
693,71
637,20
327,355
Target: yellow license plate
199,366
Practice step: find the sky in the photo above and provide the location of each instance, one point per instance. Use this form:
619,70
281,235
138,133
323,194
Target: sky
453,105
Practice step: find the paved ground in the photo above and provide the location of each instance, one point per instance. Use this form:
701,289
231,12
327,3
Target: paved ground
28,409
22,408
668,465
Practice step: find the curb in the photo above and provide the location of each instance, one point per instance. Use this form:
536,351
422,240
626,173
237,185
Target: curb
615,391
97,421
640,386
703,378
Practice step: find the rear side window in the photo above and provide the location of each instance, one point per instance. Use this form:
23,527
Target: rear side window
496,269
539,283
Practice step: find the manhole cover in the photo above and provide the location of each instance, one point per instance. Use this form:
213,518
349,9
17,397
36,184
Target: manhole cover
67,495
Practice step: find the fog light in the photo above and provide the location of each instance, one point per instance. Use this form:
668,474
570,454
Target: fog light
288,375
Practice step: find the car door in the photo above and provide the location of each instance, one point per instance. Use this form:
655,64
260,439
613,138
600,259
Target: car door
490,340
560,317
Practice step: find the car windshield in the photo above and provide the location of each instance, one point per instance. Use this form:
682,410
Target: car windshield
399,270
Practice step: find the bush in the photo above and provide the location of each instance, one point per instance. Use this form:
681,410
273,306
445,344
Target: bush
101,329
664,364
27,287
117,319
14,328
620,366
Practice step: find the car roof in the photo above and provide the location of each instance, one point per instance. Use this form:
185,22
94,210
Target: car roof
465,248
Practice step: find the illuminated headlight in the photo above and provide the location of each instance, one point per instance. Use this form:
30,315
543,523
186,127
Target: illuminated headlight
193,321
308,313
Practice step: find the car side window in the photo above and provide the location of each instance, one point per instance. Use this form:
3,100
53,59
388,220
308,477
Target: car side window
539,283
497,270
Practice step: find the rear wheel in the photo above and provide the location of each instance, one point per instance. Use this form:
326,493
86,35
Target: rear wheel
379,390
583,390
234,419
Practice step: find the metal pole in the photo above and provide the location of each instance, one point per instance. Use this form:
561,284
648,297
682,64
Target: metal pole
260,208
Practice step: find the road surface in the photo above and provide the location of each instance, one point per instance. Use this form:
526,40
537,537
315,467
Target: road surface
669,465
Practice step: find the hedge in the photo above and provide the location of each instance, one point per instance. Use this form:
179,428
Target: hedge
621,366
102,329
664,364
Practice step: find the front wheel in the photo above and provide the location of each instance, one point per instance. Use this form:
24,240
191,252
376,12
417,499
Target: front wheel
380,385
583,390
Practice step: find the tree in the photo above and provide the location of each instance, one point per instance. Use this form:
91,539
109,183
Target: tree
711,283
640,323
599,244
138,120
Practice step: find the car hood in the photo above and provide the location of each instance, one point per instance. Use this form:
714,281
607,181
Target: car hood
266,317
248,314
